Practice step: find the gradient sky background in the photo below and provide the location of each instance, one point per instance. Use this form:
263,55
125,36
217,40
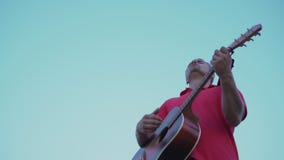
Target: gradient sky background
76,76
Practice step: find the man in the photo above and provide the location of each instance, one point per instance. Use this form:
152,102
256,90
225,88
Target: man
220,109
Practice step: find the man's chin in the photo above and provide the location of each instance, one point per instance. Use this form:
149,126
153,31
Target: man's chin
198,71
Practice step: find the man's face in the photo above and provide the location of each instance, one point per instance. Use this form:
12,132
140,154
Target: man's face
198,67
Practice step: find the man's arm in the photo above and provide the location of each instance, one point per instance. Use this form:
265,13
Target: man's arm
232,105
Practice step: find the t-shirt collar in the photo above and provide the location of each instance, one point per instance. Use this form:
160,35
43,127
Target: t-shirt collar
187,89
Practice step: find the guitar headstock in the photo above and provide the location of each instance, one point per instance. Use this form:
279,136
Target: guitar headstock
240,42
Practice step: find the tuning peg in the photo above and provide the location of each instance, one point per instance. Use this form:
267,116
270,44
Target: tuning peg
258,34
243,45
251,39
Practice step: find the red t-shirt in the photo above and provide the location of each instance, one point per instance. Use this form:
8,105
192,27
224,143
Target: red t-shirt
217,141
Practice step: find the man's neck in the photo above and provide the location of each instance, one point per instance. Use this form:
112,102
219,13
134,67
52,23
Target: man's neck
194,83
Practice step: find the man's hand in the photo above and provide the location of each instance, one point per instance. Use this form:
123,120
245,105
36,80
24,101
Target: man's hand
149,123
222,62
146,127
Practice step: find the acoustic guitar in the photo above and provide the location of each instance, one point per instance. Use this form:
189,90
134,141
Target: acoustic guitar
179,133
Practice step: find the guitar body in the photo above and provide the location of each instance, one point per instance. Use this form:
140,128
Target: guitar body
176,143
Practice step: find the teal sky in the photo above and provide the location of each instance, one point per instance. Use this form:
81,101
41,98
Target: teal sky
76,76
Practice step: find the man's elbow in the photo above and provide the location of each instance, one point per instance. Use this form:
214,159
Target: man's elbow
235,119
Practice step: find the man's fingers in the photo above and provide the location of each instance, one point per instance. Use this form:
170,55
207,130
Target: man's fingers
224,50
156,111
156,121
149,123
148,128
152,116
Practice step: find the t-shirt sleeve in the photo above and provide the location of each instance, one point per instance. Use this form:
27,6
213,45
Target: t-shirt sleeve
163,111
